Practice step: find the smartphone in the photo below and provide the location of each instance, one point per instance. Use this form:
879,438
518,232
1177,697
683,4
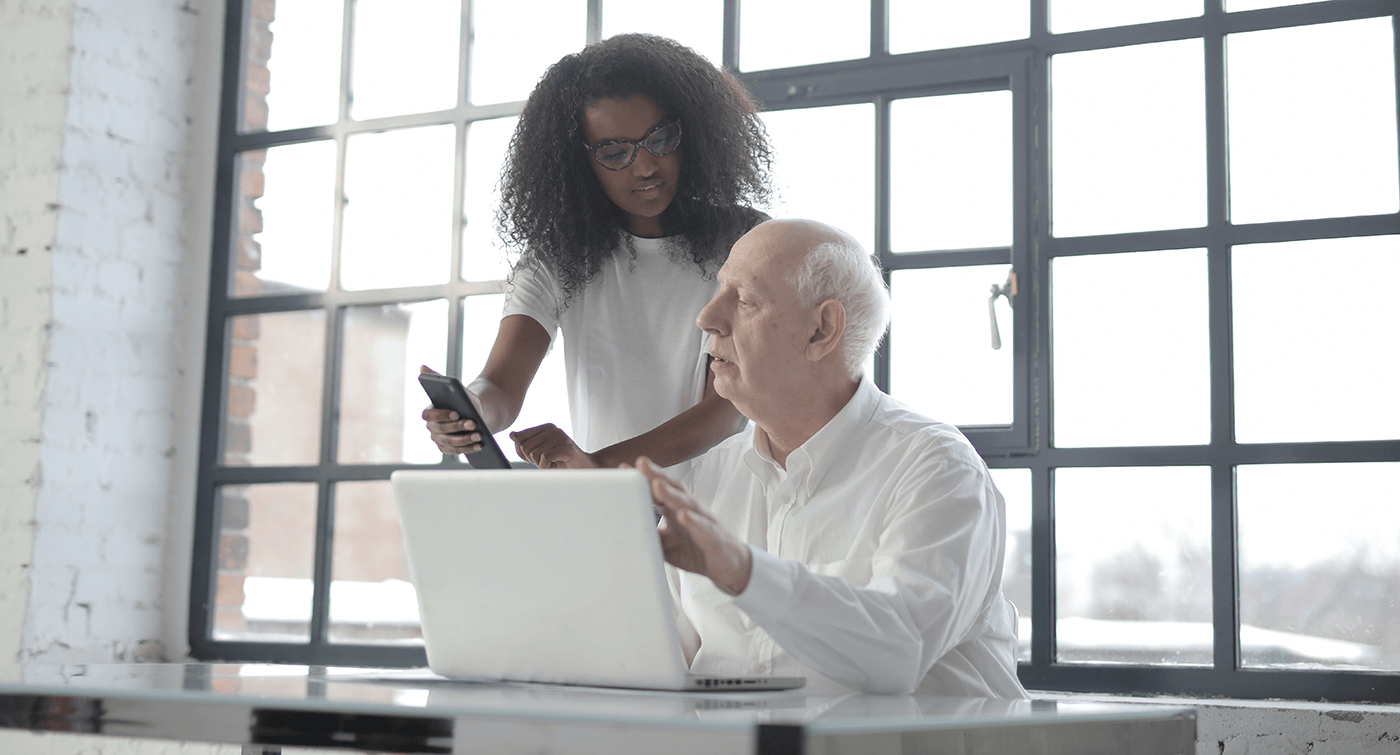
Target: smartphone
447,393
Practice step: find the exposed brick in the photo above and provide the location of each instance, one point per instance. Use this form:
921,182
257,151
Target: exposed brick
246,327
241,401
249,255
249,220
252,183
246,284
238,439
228,620
254,113
263,10
243,362
256,80
229,591
233,552
234,509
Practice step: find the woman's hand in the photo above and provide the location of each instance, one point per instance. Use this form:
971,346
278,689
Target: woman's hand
450,433
548,447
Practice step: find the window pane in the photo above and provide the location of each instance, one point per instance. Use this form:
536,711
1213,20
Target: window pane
505,64
1132,565
1128,140
398,208
548,398
950,172
404,61
372,599
697,24
938,24
273,410
838,30
266,550
1312,136
939,318
1320,565
1015,487
381,403
1130,340
286,215
810,182
1077,15
291,75
483,255
1315,336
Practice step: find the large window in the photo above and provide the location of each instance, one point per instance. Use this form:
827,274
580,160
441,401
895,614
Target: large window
1139,252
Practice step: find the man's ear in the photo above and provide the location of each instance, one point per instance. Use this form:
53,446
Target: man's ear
828,325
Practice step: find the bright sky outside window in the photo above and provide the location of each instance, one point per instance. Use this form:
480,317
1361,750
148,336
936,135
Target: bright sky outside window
305,66
404,62
951,172
1079,15
397,229
516,40
1130,349
1128,143
697,24
776,37
939,24
824,166
940,320
1312,136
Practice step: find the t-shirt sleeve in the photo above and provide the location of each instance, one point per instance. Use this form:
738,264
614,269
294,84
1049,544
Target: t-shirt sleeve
533,291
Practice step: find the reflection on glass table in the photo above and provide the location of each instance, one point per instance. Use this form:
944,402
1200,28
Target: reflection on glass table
316,706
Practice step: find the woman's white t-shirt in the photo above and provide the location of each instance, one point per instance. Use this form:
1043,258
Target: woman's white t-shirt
633,355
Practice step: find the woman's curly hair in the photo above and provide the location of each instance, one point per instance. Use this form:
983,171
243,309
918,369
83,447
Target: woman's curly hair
553,209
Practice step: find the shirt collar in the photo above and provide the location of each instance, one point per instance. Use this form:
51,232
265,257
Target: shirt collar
815,456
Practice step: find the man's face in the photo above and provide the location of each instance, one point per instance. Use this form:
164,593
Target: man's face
758,331
646,187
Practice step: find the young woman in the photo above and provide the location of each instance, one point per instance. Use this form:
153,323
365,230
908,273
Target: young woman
635,165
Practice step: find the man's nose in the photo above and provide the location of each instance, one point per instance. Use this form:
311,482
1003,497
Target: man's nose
707,320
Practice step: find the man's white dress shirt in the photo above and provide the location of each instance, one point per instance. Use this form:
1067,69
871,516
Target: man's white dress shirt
877,560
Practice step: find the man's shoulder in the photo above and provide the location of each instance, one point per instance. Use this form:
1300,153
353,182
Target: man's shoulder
901,426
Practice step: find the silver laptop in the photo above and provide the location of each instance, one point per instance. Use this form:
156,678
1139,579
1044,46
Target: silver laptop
546,576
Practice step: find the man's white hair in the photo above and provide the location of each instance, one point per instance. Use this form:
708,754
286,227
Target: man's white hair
840,269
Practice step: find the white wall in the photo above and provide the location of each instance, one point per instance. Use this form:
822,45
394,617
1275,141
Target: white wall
109,123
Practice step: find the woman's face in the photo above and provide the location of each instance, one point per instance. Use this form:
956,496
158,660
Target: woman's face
646,187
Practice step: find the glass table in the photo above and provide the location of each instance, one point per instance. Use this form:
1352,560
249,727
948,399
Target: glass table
266,707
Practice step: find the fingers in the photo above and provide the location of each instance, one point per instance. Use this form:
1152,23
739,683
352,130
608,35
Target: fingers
548,447
446,421
427,369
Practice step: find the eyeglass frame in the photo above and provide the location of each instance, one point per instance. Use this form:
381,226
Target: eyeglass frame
636,145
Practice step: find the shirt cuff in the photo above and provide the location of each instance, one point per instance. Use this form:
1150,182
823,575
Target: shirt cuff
772,585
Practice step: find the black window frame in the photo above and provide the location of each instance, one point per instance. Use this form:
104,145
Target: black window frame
1020,66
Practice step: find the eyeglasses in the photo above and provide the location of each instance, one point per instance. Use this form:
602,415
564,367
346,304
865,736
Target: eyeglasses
616,154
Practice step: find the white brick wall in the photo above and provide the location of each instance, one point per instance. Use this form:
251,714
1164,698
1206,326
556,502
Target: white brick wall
102,317
33,83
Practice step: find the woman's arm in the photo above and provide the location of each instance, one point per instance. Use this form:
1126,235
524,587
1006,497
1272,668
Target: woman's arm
684,436
499,391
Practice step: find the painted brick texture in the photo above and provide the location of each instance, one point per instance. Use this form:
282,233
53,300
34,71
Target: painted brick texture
34,53
115,361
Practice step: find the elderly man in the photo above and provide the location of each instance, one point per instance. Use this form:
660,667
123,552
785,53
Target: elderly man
844,538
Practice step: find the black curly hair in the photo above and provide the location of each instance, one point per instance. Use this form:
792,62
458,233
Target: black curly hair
553,209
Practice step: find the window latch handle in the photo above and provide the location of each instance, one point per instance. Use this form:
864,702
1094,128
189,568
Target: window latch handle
1008,290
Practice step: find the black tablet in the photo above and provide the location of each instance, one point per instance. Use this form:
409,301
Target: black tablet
447,393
